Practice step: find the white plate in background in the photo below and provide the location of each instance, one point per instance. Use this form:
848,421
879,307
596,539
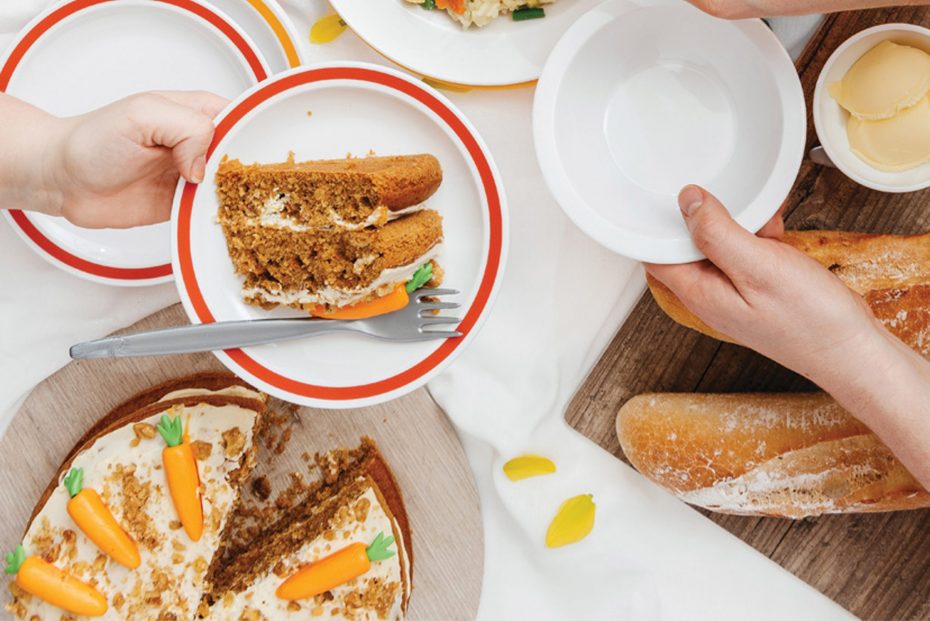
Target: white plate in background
432,44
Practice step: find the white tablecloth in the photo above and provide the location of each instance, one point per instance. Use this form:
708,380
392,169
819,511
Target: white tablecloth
563,298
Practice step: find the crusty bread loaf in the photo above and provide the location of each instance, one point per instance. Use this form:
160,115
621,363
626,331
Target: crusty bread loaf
892,273
792,455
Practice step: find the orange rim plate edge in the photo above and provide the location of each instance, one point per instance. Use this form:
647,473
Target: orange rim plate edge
20,219
494,261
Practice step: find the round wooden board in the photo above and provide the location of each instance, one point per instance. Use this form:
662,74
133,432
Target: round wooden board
414,435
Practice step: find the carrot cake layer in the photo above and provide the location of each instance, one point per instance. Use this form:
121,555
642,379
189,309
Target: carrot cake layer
343,194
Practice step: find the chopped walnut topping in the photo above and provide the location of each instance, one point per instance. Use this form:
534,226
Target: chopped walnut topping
200,564
203,610
160,580
118,600
18,609
202,450
134,443
293,606
178,546
135,495
167,616
335,612
175,525
361,507
250,614
51,554
329,535
144,431
177,558
280,569
317,611
233,442
99,563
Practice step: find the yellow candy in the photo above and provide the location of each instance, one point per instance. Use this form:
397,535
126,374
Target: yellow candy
327,29
526,466
572,523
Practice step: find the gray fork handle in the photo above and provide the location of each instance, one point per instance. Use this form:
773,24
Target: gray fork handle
206,337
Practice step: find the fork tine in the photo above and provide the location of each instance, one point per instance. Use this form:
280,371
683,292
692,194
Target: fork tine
438,319
440,334
429,306
425,293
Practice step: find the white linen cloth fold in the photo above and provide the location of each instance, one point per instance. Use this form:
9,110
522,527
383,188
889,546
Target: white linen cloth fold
563,298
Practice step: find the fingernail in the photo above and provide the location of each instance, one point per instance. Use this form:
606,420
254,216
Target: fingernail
198,169
690,199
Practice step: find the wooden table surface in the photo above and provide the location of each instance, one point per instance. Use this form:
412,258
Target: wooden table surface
876,566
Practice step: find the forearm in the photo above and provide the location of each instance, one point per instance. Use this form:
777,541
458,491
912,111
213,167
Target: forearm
27,140
888,388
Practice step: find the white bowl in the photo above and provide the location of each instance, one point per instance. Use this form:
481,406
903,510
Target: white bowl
640,99
830,118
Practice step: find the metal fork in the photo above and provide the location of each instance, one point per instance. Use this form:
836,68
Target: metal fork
410,323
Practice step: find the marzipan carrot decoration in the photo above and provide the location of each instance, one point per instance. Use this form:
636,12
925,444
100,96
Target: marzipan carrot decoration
97,522
337,568
50,584
393,301
181,472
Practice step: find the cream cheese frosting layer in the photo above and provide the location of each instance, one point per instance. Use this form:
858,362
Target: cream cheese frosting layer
378,594
333,296
125,468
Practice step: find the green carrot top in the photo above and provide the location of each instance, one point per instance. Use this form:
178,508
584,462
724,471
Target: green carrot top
420,277
15,560
378,550
74,481
171,429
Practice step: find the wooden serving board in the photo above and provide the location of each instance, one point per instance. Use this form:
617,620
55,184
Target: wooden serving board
877,566
416,438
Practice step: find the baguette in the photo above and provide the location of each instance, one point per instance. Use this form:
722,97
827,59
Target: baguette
793,455
892,273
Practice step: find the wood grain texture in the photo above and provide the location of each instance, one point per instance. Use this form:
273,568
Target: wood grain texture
876,566
413,433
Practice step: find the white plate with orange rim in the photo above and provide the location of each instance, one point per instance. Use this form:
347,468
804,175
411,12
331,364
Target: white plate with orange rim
98,51
271,29
356,108
432,44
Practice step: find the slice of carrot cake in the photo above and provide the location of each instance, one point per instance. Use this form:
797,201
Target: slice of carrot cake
129,525
325,235
344,552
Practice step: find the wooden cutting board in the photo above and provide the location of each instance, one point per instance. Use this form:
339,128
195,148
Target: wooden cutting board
413,433
876,566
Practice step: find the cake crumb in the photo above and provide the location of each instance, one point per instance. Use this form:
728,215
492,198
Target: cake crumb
261,487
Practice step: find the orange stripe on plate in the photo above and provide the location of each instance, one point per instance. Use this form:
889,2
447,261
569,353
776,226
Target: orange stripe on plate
279,31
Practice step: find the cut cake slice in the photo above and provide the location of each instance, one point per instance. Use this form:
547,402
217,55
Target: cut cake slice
357,499
331,233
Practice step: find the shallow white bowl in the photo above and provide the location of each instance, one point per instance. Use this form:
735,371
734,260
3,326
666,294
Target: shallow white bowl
640,99
830,118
